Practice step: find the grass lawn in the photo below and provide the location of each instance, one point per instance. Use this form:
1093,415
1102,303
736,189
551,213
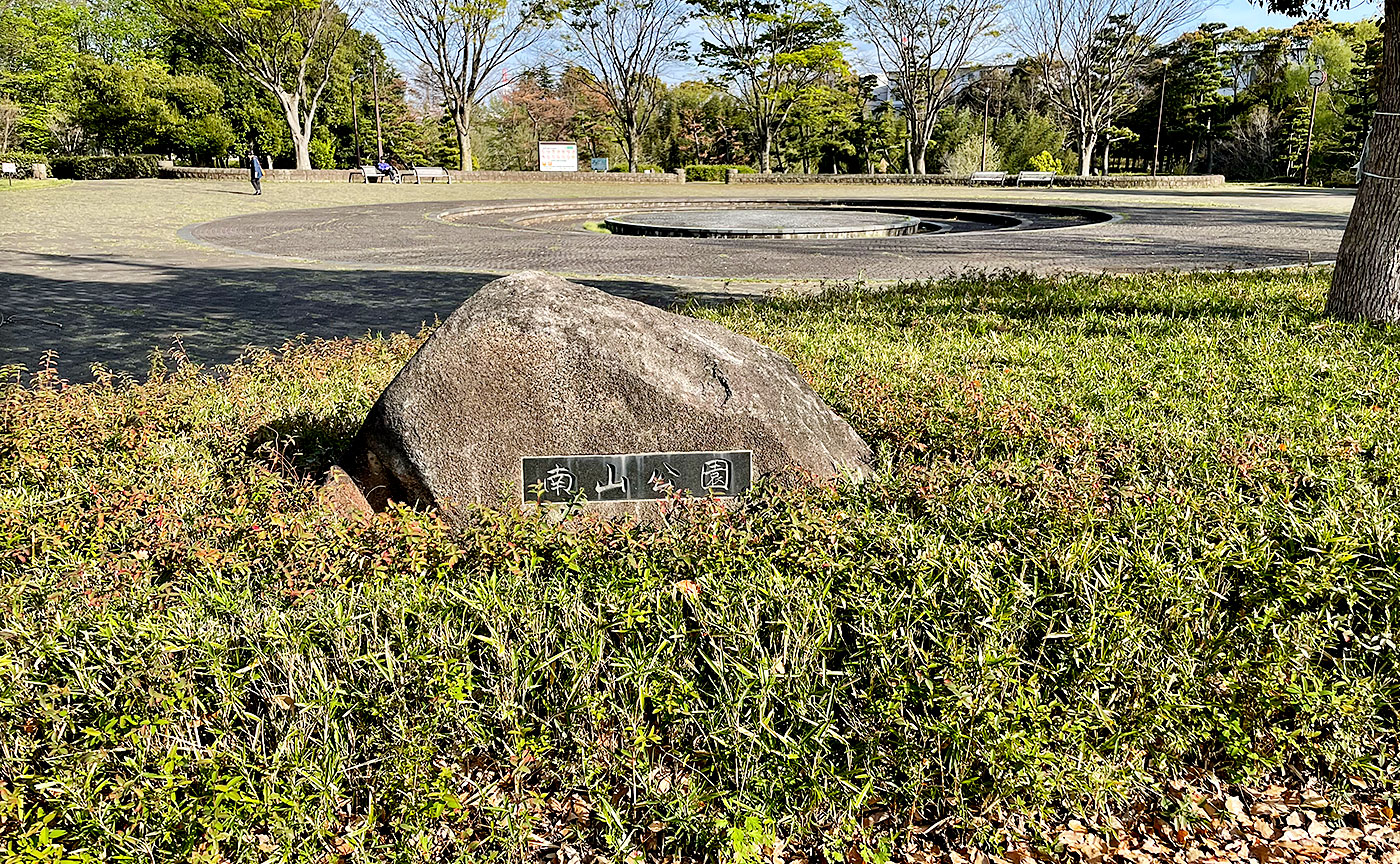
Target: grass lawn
1129,538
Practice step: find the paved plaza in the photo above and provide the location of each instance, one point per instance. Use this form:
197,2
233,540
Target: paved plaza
108,271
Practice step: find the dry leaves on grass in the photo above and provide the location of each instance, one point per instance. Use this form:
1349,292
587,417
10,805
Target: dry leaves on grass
1214,826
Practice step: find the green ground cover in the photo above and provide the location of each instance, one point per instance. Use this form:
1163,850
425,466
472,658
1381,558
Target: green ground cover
1123,531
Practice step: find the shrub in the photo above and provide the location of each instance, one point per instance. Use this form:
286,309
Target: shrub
24,161
711,173
1046,161
1120,531
642,168
1023,136
967,157
106,167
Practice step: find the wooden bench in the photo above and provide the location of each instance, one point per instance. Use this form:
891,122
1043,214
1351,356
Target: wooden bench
10,170
430,173
1046,177
368,173
997,177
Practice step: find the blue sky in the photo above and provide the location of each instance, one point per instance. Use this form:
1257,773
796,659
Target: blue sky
1234,13
1245,14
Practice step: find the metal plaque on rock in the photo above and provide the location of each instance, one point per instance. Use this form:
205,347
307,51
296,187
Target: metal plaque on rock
635,476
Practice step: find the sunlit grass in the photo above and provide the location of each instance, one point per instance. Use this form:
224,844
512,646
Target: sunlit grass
1122,530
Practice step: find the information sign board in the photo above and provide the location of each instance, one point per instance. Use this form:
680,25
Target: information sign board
558,156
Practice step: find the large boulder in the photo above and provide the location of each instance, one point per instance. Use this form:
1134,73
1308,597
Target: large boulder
533,365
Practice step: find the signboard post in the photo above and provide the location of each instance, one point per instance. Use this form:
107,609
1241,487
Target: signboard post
558,156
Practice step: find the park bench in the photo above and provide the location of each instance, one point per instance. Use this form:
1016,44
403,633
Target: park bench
1046,177
428,172
368,173
10,170
997,177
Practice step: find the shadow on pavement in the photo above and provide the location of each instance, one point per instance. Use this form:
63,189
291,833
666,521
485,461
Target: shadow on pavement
89,309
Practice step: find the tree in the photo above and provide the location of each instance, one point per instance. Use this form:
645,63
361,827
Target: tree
10,112
822,122
144,109
286,46
1366,280
922,45
465,45
37,55
624,45
1091,54
772,51
699,123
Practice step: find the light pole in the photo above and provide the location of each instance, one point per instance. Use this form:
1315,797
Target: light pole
355,117
1316,78
378,130
1161,109
986,109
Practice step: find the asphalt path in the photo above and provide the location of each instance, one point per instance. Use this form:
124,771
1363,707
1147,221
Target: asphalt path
109,272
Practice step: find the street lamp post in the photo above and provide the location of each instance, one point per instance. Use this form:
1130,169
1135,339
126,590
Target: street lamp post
378,130
1161,109
1316,79
355,118
986,109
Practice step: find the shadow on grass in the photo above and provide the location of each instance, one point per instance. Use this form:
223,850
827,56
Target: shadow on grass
304,444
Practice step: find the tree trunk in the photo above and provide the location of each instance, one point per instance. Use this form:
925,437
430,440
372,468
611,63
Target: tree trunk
1087,144
301,142
462,122
918,145
632,147
1366,282
765,147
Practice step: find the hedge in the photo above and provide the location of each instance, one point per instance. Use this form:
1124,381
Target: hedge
105,167
704,173
642,168
24,161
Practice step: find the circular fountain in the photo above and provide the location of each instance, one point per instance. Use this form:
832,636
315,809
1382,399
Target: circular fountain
807,223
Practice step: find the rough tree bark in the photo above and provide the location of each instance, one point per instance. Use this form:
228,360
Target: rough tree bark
462,124
1366,282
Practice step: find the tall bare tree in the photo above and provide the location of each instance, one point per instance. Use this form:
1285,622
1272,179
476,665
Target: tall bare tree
922,44
624,45
772,51
286,46
1092,53
466,45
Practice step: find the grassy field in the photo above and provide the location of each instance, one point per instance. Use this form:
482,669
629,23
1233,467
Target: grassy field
1126,533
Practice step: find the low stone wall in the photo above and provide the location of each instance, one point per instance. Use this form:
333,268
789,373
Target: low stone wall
1126,181
342,175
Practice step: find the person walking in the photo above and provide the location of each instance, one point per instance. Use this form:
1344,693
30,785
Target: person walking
255,172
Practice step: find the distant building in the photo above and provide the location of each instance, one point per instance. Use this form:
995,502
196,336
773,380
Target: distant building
886,93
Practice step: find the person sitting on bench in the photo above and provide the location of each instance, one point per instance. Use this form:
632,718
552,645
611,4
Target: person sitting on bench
388,171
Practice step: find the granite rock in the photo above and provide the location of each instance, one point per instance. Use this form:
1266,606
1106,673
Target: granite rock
533,365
